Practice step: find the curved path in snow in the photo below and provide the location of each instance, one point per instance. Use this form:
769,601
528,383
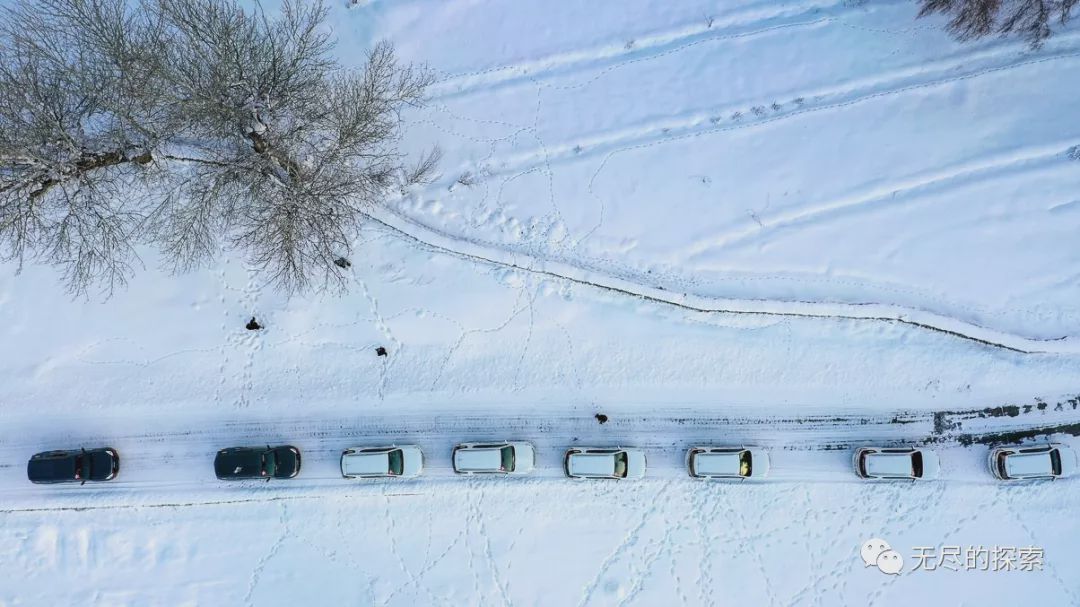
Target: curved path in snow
465,248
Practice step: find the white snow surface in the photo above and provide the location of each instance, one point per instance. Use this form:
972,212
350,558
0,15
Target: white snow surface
782,224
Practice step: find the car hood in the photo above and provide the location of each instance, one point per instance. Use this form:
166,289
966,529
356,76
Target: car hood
760,463
1070,460
931,465
635,464
524,458
101,463
288,462
412,461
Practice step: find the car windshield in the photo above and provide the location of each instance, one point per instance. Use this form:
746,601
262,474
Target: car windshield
269,464
745,463
1001,465
916,464
506,459
397,462
80,461
1055,462
620,464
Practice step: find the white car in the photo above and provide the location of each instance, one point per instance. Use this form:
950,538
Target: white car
405,461
906,463
605,462
727,462
1023,463
494,458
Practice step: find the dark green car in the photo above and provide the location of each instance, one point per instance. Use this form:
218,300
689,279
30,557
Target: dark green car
239,463
74,466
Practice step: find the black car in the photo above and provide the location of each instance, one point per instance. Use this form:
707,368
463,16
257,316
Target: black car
73,466
238,463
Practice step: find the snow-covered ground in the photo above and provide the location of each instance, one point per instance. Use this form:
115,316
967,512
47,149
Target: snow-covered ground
804,225
448,542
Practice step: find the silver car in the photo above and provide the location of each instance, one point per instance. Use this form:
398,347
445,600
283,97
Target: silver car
405,461
739,463
605,463
905,463
1025,463
512,458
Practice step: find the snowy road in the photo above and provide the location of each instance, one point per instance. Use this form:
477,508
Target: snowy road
170,457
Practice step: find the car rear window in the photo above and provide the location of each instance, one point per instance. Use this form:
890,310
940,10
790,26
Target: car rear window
1055,462
916,464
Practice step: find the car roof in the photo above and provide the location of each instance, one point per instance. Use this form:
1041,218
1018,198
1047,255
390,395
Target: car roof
726,463
247,459
595,464
1028,464
888,464
365,463
56,466
478,459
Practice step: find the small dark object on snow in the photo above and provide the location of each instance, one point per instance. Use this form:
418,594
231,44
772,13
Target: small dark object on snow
341,262
252,325
380,351
600,417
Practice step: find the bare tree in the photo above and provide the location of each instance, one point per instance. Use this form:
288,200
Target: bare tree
77,125
1029,19
291,148
192,125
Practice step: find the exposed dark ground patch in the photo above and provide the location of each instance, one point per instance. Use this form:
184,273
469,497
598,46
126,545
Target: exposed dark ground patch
948,423
1015,436
947,426
1003,411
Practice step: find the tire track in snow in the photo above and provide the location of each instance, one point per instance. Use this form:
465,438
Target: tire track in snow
875,198
613,55
879,195
696,124
963,65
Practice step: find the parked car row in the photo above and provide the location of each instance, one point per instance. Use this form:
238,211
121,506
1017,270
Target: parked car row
515,458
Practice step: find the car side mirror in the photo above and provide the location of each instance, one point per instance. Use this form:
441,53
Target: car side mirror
83,482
